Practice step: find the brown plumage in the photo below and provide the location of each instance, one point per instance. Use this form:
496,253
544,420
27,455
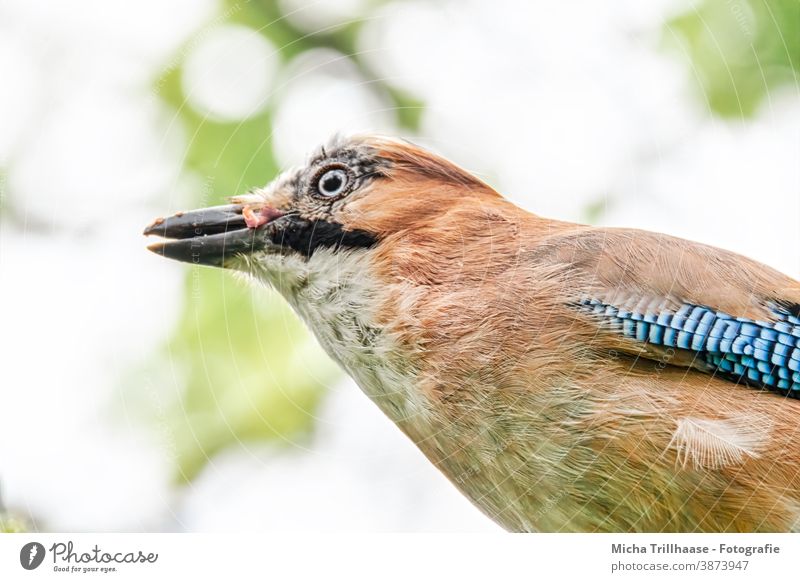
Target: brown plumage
465,319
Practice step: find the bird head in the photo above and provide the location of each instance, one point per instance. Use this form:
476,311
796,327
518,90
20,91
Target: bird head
353,195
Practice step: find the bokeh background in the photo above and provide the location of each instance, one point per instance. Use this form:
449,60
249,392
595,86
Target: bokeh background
138,394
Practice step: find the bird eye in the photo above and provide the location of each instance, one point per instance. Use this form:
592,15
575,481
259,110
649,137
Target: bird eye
333,183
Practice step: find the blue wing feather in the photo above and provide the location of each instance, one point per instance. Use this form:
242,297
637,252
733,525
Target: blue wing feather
760,353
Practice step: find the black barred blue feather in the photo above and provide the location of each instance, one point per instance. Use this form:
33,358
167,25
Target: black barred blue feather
759,353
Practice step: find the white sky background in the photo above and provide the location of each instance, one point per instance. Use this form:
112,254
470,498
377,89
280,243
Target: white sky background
557,112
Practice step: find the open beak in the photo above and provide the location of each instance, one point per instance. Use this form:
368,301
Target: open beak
210,236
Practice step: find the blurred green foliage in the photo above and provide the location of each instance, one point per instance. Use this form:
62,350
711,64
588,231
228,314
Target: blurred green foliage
250,368
11,525
8,522
739,50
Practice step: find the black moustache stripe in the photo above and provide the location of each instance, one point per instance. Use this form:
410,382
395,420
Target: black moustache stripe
306,236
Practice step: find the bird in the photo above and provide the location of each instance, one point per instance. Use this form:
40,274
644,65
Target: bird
564,377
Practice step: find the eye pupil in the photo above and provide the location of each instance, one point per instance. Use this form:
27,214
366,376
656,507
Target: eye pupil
333,182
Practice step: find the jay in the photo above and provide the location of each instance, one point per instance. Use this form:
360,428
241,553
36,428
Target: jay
564,377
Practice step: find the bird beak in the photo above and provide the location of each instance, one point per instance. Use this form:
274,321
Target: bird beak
211,236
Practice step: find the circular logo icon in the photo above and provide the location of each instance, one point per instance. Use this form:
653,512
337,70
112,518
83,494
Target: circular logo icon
31,555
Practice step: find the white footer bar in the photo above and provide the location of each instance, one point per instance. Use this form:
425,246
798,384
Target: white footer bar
406,557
